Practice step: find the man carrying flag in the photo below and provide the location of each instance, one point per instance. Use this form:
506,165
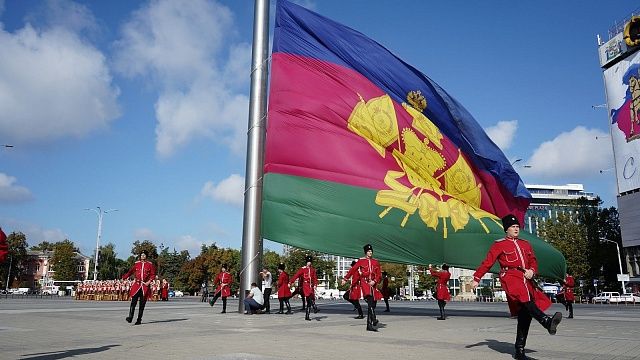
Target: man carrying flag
518,267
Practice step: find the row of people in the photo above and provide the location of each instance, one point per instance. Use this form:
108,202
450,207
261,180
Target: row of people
118,290
516,258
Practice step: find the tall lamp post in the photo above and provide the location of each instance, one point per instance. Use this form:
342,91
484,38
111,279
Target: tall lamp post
98,210
624,289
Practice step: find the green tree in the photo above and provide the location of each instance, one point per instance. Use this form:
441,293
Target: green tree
43,246
16,259
64,262
569,236
138,246
109,265
271,260
170,265
397,274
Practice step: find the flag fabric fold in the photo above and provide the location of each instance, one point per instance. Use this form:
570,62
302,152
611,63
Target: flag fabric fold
363,148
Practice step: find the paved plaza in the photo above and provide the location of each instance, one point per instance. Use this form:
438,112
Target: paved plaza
59,328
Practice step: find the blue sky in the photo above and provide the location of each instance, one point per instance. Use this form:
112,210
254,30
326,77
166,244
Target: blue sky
142,106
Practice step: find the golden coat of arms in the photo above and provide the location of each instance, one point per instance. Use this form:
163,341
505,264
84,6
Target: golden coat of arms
438,190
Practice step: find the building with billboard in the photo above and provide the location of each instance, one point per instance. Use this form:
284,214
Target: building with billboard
620,61
550,200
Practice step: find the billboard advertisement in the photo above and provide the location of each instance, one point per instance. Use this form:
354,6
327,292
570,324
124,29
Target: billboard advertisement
622,83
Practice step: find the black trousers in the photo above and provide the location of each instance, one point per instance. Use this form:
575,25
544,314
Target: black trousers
137,298
216,297
283,302
355,303
267,294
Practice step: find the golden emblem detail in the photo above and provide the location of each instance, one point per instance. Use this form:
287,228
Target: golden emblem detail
437,192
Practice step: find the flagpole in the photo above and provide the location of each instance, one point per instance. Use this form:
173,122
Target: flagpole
251,239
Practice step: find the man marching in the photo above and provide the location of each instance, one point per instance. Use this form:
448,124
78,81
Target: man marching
284,292
569,296
442,287
386,292
354,293
370,276
223,280
143,272
309,279
518,267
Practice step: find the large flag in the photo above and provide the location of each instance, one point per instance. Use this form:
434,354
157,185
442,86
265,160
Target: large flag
363,148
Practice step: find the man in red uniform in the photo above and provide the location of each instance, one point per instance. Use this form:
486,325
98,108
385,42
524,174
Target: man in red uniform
309,282
442,287
4,246
569,296
223,280
518,267
354,293
284,292
143,272
385,290
370,275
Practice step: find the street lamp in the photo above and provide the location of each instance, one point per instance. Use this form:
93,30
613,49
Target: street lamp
99,212
624,289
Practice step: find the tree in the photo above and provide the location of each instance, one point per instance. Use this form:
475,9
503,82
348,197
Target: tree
295,259
570,238
43,246
170,264
271,260
138,246
64,262
109,266
397,272
17,242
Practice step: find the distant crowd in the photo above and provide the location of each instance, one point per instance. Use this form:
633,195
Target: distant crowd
118,290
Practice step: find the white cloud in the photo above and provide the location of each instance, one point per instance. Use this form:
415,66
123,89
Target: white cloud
188,242
229,190
144,234
53,84
572,155
12,193
182,47
35,233
503,133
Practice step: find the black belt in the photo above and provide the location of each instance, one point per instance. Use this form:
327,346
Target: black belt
519,268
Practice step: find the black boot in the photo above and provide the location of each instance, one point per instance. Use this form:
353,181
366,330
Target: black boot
524,322
359,308
140,312
308,310
132,310
286,302
548,322
281,307
370,325
441,313
570,311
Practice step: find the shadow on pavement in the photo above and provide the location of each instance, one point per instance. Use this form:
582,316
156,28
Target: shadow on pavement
165,321
499,346
66,353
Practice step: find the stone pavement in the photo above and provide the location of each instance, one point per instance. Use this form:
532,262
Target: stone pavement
32,328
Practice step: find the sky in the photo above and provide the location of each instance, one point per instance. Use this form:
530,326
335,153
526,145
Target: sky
142,106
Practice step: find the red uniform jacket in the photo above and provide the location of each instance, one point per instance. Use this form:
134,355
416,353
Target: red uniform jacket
164,291
514,255
355,292
284,291
224,284
4,247
143,272
309,279
567,288
442,287
385,288
369,270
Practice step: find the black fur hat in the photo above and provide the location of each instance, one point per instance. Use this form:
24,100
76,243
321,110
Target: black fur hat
281,266
308,258
509,221
367,248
